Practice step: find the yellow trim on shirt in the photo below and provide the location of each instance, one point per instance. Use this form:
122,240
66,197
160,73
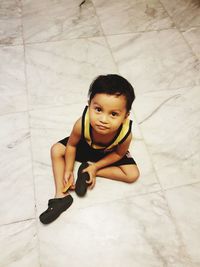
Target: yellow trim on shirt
125,129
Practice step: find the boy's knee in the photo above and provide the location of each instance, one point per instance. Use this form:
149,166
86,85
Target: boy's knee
131,178
56,151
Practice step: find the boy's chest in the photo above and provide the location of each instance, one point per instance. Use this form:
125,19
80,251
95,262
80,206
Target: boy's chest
102,140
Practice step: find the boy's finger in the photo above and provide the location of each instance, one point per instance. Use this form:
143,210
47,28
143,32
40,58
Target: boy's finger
84,170
92,184
72,186
89,181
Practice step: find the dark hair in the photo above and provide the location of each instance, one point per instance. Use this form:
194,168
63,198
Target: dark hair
112,84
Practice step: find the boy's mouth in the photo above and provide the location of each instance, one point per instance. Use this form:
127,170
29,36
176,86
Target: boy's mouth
101,127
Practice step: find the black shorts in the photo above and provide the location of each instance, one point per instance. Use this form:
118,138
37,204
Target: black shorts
85,152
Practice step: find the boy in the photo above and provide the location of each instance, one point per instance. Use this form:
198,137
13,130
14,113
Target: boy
101,136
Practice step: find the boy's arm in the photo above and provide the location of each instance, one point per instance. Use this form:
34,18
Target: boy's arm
107,160
70,152
114,156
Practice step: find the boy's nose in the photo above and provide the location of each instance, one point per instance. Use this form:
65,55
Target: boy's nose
104,119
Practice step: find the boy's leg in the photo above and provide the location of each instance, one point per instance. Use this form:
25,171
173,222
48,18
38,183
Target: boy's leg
62,201
126,173
58,166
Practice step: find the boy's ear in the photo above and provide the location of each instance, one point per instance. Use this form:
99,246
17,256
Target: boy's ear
127,114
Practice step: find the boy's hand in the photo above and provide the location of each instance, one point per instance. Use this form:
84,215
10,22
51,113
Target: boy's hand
69,179
92,170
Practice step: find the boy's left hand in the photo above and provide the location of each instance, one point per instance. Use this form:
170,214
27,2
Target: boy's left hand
92,170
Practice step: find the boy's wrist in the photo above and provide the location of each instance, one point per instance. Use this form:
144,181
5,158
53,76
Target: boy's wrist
107,160
95,165
69,169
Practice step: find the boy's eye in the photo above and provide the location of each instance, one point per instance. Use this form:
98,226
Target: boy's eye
114,114
98,109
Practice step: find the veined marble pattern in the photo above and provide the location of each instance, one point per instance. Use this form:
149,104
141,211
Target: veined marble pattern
132,240
183,201
132,16
57,20
50,51
171,128
153,65
16,183
193,37
185,13
60,72
10,22
13,93
19,244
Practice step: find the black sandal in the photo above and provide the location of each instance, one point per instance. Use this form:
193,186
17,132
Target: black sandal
55,207
81,185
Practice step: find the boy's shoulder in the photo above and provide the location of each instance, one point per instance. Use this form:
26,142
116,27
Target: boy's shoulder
78,125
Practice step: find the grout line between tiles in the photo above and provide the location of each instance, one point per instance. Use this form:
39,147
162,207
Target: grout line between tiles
135,196
29,124
178,230
148,151
87,37
105,38
189,46
181,186
38,109
19,221
171,18
180,31
119,199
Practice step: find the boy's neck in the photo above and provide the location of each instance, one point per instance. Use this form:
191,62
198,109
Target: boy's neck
102,139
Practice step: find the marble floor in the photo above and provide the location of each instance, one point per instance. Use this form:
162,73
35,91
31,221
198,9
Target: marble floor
50,51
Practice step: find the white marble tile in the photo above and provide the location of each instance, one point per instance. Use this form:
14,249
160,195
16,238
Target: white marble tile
57,20
185,13
60,73
16,180
10,22
155,60
171,129
193,38
184,205
13,95
133,232
126,16
18,245
51,125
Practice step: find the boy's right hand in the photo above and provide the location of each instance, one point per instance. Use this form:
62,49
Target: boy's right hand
69,180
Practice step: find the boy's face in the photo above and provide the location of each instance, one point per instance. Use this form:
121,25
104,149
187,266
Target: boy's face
107,113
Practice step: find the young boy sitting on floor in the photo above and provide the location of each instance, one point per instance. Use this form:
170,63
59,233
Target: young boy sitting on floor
102,135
